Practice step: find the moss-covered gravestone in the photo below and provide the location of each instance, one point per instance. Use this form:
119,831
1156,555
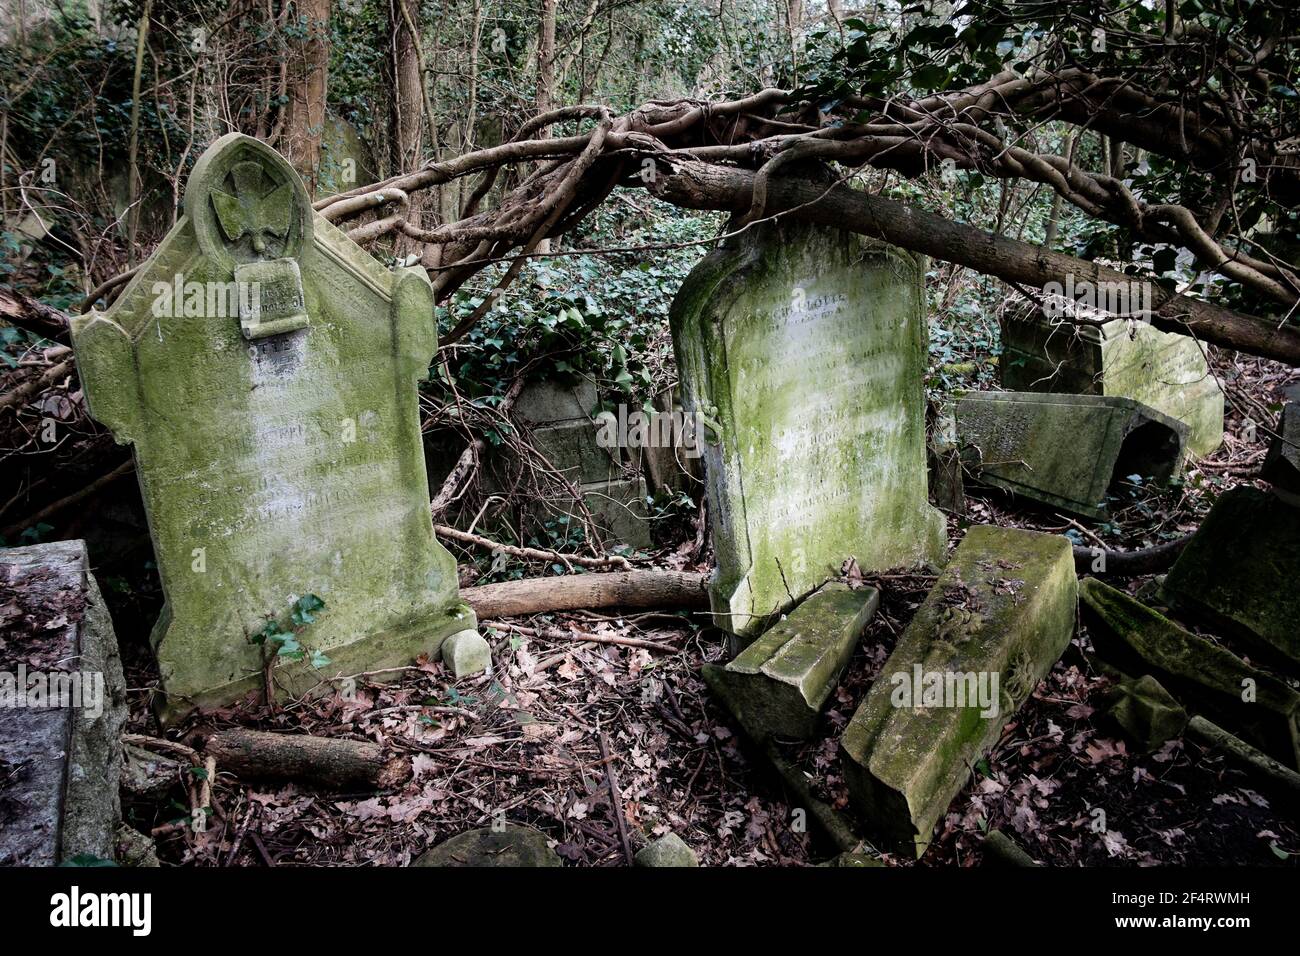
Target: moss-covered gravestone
1123,357
805,348
264,368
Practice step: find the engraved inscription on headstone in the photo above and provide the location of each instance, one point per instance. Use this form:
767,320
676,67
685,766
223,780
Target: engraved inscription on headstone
279,453
806,349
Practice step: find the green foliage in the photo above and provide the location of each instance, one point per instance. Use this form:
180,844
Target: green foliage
281,637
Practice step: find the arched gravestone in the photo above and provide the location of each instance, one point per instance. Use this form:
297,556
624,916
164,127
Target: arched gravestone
805,350
264,369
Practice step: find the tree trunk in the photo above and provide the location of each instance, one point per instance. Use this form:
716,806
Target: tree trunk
699,185
307,91
325,761
644,589
545,77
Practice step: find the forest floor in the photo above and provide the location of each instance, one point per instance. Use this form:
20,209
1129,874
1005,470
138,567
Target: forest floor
525,743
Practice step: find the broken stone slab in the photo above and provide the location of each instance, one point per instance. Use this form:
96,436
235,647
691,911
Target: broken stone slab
1001,850
511,845
1281,467
1068,451
264,368
148,775
997,619
1202,674
1239,573
779,684
466,653
1126,358
62,709
1146,712
669,850
804,349
1279,781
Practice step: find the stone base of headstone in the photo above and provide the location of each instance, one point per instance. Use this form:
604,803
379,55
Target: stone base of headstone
1240,569
779,684
1068,451
510,845
1124,358
1003,610
61,756
1210,678
466,653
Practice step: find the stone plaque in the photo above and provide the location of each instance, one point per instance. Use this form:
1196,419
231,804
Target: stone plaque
804,349
264,369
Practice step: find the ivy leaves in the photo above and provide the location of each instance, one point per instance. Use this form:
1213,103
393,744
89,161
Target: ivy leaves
282,638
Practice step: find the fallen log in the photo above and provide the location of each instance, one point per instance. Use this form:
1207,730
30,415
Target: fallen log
1280,781
572,592
325,761
1153,560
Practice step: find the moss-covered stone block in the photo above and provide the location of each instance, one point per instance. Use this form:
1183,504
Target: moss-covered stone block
1203,675
990,629
1067,451
1127,358
1146,712
277,458
669,850
510,845
779,684
1240,570
806,350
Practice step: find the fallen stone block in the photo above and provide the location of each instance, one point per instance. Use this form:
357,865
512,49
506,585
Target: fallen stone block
779,684
1146,712
1068,451
62,708
465,652
669,850
1239,572
511,845
994,623
1210,678
1281,466
1123,357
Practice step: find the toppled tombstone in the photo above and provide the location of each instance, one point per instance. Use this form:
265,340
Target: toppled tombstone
990,629
1281,467
1209,678
1146,712
264,368
779,684
1068,451
510,845
804,350
668,850
62,709
1125,358
1240,570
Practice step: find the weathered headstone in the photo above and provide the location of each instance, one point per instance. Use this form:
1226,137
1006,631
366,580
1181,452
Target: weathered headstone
1208,677
1128,358
806,348
1069,451
780,683
264,368
1240,570
990,629
62,709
